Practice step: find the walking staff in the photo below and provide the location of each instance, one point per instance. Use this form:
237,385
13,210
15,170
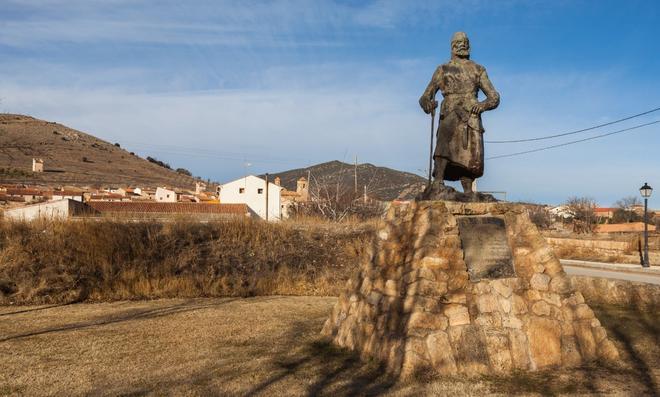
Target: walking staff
431,151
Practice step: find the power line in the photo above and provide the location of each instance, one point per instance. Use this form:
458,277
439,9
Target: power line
199,152
576,131
572,142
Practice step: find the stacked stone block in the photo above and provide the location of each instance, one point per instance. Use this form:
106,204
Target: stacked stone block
413,306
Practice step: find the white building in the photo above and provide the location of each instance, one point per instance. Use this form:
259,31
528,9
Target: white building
67,194
562,211
59,209
165,195
251,190
116,190
37,165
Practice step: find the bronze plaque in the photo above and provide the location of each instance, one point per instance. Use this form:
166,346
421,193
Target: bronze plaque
485,247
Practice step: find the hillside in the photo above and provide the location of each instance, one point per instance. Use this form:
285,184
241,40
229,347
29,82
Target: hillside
73,158
381,182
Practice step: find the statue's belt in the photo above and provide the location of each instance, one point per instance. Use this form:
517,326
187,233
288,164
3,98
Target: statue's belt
469,93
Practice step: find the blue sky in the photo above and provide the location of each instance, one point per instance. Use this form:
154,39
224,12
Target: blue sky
212,85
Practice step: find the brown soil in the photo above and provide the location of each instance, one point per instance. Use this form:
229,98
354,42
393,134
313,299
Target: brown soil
265,346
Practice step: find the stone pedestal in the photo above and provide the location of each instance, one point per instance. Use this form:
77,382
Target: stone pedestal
414,304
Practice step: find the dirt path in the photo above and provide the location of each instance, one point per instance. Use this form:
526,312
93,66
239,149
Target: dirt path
260,346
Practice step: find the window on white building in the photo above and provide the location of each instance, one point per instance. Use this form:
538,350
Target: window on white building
241,190
260,191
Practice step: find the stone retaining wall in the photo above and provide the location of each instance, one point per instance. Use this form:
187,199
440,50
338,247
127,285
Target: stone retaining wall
601,291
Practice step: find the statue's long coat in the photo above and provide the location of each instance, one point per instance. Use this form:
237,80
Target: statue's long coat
460,133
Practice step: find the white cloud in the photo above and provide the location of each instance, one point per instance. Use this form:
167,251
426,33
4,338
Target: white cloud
279,23
287,125
110,68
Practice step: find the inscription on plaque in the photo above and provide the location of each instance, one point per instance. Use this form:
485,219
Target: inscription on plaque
485,247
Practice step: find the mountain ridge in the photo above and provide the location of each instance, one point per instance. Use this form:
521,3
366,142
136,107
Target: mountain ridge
334,177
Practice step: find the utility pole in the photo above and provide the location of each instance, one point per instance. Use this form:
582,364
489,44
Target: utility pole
266,197
356,188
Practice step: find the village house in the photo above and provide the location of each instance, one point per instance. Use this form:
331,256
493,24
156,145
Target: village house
116,190
62,194
106,196
148,194
133,192
37,165
290,198
251,190
603,213
26,194
164,195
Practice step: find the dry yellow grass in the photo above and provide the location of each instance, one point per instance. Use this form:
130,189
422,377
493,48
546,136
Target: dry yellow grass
101,260
264,346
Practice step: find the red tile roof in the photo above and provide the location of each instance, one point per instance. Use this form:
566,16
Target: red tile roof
62,193
168,208
605,209
23,192
106,196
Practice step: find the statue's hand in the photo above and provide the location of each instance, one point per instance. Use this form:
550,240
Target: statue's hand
478,108
429,105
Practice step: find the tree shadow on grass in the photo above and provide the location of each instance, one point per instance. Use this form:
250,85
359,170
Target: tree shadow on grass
327,369
34,309
130,315
336,371
636,334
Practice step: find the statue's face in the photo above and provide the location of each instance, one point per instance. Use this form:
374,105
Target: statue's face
461,47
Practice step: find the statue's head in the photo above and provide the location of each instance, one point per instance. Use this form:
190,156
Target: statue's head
460,45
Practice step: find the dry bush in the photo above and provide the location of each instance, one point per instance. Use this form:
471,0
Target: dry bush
583,210
540,217
586,254
59,261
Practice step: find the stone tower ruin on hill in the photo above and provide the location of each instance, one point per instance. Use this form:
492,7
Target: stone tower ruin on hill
467,288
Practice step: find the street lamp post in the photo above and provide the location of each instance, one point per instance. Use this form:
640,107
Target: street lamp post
646,191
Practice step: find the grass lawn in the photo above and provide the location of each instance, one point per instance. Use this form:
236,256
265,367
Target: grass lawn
266,346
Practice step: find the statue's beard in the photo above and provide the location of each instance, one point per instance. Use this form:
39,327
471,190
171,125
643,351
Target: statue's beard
461,52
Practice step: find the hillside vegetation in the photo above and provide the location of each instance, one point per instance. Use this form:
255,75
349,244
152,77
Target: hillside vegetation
60,262
74,158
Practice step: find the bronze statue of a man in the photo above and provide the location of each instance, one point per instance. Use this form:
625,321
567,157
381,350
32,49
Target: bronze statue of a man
459,152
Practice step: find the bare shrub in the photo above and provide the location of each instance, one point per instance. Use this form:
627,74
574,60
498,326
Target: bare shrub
337,199
583,210
540,217
625,212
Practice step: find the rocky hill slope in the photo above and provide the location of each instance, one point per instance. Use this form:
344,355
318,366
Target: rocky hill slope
73,158
337,177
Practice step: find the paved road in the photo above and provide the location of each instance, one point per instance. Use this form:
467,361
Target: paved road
651,278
